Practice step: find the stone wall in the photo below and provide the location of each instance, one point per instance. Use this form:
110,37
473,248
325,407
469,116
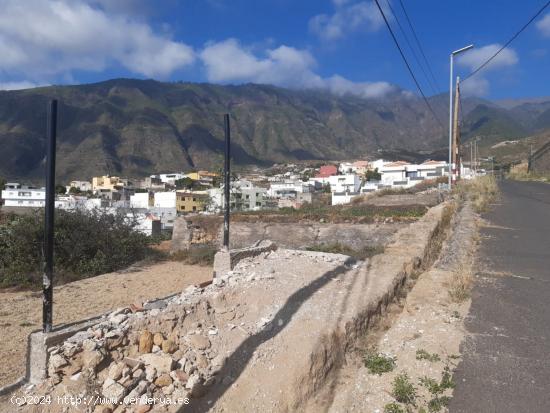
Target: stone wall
191,231
291,313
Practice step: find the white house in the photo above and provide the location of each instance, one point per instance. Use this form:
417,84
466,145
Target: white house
346,168
147,224
344,183
19,195
165,199
404,174
339,198
277,189
378,164
82,185
139,200
243,196
169,178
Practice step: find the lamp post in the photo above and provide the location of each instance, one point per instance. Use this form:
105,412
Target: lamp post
456,52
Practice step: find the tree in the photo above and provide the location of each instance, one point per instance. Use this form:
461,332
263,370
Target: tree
74,190
184,183
60,189
371,175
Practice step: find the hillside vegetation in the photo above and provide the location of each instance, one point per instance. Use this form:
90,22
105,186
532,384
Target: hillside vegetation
137,127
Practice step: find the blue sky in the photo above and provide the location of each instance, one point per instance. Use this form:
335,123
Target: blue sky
339,45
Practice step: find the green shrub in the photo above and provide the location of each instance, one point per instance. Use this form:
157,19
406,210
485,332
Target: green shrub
378,363
437,389
393,408
85,244
424,355
403,390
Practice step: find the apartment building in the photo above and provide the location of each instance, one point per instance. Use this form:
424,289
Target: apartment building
17,195
187,201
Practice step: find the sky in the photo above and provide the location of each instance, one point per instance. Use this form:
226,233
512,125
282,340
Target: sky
342,46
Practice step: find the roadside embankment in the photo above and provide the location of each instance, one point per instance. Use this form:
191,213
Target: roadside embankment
267,336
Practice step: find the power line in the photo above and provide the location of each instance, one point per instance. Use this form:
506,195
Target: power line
419,44
411,48
407,63
508,42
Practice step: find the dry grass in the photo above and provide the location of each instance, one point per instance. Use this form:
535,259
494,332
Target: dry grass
461,284
522,175
480,191
198,255
439,236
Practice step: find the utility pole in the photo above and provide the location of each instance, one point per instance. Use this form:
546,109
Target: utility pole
475,155
227,180
47,280
453,54
471,158
456,139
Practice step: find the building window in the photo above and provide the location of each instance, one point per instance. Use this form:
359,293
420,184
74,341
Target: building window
194,208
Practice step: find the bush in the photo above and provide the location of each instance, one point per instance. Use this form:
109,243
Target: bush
199,255
393,408
85,244
403,390
378,363
424,355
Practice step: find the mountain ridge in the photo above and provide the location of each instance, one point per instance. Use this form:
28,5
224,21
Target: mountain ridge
136,127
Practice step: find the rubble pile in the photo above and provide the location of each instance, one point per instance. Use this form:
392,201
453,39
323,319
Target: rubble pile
173,348
143,354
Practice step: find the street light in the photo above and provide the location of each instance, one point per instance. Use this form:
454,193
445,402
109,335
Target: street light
451,109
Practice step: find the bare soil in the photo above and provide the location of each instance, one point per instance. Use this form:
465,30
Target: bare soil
21,312
429,319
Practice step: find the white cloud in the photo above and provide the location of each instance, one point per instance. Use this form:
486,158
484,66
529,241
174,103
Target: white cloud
24,84
48,38
341,86
346,19
229,61
478,85
477,56
544,25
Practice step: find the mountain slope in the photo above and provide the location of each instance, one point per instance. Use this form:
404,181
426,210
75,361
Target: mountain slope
137,127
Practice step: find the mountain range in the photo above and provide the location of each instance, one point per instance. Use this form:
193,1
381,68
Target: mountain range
134,127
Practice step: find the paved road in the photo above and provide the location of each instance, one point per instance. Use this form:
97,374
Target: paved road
506,365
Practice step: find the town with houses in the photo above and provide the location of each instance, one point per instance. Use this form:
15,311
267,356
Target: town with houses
155,201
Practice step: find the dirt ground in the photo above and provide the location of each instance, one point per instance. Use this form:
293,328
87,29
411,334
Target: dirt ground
428,320
21,312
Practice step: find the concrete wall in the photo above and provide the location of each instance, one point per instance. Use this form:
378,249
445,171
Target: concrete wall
189,231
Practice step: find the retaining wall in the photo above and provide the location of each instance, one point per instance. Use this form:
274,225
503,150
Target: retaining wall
192,231
268,335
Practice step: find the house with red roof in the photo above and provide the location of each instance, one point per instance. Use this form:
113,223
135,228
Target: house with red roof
327,170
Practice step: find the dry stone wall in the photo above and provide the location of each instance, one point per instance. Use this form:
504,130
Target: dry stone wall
190,231
265,336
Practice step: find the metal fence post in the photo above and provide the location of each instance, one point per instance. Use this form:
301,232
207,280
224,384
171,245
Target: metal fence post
227,180
51,134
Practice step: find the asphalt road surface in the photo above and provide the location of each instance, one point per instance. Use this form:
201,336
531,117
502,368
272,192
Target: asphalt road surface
506,365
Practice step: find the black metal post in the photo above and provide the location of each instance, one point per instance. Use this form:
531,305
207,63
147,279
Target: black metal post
227,180
51,134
